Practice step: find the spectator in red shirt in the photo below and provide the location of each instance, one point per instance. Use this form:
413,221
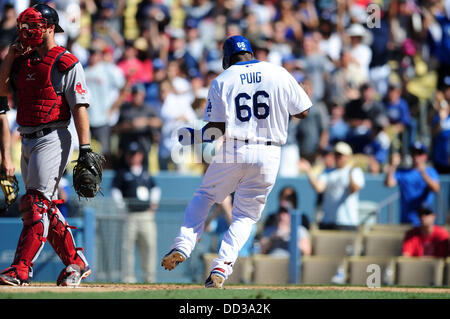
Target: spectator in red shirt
427,239
136,70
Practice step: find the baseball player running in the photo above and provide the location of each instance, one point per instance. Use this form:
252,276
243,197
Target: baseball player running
50,86
250,104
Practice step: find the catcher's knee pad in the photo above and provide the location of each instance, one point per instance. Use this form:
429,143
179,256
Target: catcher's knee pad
61,238
33,206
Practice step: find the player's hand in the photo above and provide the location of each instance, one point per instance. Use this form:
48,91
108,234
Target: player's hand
16,49
7,166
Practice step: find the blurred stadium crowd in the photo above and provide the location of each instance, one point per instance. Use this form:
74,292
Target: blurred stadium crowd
378,72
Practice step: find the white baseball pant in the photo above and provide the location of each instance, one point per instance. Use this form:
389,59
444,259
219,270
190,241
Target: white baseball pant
44,160
251,175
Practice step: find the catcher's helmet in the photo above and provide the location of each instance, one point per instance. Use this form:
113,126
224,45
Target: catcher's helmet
234,45
50,15
32,22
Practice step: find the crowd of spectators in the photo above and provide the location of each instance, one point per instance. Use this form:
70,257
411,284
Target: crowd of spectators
378,72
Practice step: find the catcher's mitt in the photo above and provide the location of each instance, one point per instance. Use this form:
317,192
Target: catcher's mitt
87,173
10,188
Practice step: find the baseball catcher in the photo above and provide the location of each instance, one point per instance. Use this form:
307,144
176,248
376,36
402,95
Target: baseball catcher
50,88
87,173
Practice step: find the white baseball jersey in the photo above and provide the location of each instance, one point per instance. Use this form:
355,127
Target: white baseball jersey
254,99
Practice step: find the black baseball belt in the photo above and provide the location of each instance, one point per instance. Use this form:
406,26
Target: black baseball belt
39,133
251,142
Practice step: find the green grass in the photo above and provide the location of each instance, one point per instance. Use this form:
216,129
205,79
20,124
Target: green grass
228,293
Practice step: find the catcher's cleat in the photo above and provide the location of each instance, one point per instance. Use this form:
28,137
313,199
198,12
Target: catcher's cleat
173,258
71,276
215,279
10,277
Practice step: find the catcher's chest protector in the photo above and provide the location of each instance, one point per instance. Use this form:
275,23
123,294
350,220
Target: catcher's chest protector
38,101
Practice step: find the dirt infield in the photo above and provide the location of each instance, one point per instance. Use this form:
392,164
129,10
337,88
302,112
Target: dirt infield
98,287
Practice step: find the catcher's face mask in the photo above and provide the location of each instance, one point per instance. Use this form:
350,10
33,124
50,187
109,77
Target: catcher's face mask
31,27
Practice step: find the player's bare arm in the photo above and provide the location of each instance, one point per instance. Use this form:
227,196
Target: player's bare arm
5,69
81,121
5,147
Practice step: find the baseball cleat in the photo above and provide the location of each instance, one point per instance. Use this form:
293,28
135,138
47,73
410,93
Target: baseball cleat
10,277
172,259
71,276
216,279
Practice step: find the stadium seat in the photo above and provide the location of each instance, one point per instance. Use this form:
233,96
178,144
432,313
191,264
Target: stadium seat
270,270
390,228
419,271
337,243
356,268
241,270
319,269
382,244
446,277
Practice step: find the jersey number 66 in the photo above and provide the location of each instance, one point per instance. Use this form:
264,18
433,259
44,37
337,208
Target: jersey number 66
244,112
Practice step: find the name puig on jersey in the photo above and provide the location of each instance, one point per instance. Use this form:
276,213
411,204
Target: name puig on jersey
250,77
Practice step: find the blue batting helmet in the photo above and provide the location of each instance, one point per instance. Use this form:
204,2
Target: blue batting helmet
233,45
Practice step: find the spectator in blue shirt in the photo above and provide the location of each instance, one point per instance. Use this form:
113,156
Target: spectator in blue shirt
418,185
397,108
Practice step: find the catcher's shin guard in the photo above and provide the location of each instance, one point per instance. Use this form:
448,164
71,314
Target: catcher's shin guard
61,238
33,206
